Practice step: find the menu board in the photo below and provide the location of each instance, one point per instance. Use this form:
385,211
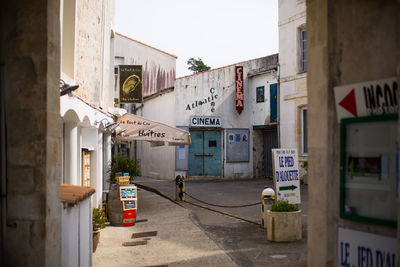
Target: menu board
129,204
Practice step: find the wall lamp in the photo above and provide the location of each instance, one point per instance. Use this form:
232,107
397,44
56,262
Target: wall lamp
65,88
109,125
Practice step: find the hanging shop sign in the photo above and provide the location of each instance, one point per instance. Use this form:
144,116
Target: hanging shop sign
130,84
197,121
356,248
286,175
371,98
239,96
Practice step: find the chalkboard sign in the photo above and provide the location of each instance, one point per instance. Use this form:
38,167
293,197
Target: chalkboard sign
128,192
129,205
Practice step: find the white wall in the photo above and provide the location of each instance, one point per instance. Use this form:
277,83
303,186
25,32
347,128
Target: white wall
158,66
197,87
293,83
158,162
76,234
261,111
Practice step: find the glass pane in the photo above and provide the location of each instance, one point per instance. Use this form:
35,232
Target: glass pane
370,170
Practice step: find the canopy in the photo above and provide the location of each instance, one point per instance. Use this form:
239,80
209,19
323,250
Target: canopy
132,127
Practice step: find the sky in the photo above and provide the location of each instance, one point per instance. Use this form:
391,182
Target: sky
220,32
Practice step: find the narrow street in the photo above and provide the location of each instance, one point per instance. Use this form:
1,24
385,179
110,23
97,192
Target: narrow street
199,236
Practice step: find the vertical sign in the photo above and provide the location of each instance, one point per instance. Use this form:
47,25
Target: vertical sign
239,96
356,248
130,84
286,175
85,168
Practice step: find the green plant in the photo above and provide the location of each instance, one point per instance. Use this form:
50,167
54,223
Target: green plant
122,163
99,220
283,206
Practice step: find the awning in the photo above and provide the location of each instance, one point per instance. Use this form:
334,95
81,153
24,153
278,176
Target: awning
132,127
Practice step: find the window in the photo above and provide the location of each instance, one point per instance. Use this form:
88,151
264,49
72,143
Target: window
303,62
260,94
304,131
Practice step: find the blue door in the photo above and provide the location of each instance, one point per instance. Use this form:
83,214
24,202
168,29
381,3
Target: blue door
205,153
273,89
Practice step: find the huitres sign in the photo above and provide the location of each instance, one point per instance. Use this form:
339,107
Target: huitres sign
132,127
130,84
239,96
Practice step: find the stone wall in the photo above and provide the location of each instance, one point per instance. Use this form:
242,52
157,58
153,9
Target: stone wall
348,42
31,50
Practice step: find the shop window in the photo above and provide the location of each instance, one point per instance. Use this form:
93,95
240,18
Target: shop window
260,94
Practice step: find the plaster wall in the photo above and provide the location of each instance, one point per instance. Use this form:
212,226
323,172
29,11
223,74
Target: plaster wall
76,232
349,42
293,82
218,85
159,161
158,66
30,78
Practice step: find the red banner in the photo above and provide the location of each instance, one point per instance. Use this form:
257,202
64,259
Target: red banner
239,96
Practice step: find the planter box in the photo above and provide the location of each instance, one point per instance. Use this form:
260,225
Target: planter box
284,226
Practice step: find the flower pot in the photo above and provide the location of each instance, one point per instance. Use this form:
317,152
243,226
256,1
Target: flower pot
284,226
96,239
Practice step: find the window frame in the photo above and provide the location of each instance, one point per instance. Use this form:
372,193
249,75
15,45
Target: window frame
304,131
302,55
263,94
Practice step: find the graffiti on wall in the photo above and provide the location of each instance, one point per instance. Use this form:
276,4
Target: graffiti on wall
208,100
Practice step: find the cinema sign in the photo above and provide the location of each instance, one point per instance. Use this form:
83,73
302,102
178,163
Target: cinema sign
197,121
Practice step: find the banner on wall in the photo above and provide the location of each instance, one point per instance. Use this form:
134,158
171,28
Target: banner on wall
130,84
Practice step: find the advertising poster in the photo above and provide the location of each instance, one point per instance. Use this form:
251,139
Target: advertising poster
130,84
127,192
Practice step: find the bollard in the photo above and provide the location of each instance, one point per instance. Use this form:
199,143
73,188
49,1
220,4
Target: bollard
267,199
179,181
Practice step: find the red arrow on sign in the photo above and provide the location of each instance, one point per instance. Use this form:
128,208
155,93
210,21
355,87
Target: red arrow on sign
349,103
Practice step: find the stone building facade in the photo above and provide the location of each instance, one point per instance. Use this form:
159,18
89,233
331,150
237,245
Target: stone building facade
350,43
293,78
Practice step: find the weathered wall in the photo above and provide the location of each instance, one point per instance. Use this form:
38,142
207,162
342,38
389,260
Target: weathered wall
293,87
158,66
158,162
198,87
349,42
93,55
30,34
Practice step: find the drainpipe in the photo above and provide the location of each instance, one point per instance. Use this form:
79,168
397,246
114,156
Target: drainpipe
278,77
3,156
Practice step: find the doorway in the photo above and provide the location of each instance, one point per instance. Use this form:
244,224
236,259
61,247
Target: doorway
270,142
205,153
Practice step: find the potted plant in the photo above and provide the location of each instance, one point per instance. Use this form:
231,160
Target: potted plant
122,163
99,222
284,222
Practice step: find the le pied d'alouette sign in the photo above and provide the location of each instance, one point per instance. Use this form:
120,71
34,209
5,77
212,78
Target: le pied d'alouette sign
286,175
371,98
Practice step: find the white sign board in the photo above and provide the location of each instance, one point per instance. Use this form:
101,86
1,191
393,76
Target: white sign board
286,175
198,121
356,248
369,98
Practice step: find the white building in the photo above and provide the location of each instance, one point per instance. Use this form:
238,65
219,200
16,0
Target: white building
87,61
293,77
226,143
158,80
